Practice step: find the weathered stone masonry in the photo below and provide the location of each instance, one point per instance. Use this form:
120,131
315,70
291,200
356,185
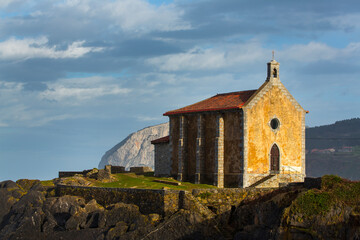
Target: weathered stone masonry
182,164
200,140
240,139
219,153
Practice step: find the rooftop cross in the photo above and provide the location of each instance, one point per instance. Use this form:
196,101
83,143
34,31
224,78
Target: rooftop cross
273,55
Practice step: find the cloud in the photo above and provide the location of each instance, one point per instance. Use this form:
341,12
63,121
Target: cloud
136,16
62,100
5,3
20,49
318,51
216,57
76,90
141,16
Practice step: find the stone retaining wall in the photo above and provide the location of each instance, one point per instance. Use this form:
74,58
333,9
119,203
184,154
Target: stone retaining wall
221,200
162,202
166,202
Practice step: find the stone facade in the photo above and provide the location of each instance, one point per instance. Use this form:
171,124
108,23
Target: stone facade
273,101
162,163
253,138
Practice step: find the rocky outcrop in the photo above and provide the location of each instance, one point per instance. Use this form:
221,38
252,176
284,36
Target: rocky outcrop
29,210
38,214
136,149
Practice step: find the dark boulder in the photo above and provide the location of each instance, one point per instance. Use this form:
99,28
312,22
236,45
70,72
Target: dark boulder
27,184
10,193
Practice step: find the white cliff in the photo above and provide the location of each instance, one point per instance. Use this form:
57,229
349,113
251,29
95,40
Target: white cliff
136,149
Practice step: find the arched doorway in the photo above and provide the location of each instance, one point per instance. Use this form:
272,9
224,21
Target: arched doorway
275,159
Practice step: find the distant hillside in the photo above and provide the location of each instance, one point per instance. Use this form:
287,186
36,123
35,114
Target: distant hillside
334,149
337,135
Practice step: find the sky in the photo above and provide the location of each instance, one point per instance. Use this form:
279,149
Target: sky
78,76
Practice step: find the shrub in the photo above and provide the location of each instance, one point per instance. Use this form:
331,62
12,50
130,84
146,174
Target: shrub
313,202
330,181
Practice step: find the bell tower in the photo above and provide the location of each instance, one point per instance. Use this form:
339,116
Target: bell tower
273,70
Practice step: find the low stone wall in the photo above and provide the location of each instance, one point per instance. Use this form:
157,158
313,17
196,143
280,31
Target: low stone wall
222,199
68,174
117,169
140,169
162,202
312,182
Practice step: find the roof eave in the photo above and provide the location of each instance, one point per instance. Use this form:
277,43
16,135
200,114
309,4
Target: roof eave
202,110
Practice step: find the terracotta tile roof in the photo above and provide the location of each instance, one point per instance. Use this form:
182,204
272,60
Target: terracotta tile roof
224,101
161,140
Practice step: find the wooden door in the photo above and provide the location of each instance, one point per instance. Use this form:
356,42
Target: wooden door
275,159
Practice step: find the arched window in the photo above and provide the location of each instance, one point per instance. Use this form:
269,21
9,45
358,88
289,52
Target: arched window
275,159
275,73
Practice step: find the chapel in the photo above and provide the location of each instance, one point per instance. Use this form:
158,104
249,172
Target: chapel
252,138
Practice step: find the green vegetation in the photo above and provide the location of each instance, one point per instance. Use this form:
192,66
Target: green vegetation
47,183
146,181
131,180
205,195
313,202
335,192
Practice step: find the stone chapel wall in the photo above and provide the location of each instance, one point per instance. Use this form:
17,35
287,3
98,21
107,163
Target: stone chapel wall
273,102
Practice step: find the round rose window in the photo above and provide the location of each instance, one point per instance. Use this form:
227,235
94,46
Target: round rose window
274,123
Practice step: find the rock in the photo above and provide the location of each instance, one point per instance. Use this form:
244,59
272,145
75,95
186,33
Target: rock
76,220
25,217
27,184
88,234
8,184
182,225
10,193
96,219
128,213
92,174
72,181
103,175
259,218
136,149
154,218
117,231
49,223
108,168
92,205
65,204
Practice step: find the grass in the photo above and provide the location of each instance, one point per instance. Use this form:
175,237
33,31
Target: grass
146,181
47,183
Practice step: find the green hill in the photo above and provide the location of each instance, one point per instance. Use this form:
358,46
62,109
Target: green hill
338,136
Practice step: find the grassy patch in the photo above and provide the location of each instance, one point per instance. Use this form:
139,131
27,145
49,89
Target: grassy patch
334,192
205,195
146,181
47,183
